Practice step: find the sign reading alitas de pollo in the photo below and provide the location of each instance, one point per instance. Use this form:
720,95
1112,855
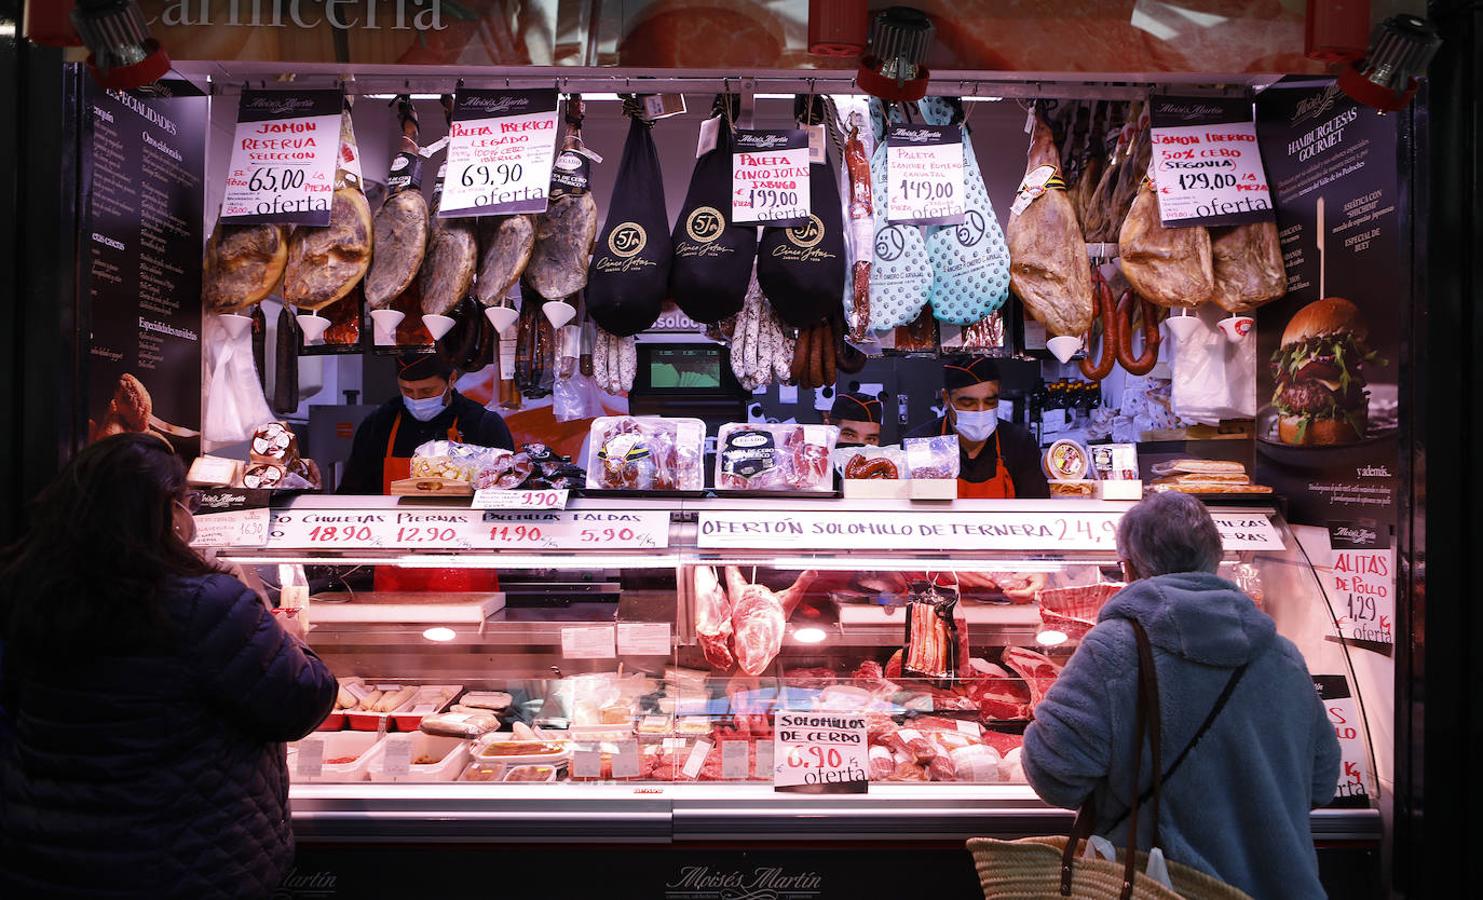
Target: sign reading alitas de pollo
283,158
500,150
1206,165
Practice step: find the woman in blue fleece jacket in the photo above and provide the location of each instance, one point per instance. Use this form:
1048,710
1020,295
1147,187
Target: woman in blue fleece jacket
1238,806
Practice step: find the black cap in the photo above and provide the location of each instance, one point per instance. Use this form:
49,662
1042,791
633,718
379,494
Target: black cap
966,371
856,407
417,366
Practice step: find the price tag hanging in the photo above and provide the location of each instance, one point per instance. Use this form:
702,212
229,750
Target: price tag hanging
1206,166
282,169
500,151
924,166
769,177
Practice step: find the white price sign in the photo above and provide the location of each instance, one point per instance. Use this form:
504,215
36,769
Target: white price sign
820,753
1361,583
1354,769
237,528
924,166
283,158
588,642
493,498
1206,166
1030,530
468,529
500,150
769,177
644,639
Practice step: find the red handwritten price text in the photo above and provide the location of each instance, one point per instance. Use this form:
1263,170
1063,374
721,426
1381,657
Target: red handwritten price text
606,535
332,534
426,535
515,534
822,758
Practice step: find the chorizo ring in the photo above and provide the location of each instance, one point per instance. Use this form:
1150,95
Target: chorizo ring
1111,332
1144,362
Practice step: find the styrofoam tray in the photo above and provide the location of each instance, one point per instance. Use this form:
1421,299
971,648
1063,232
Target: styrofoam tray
452,752
336,744
360,720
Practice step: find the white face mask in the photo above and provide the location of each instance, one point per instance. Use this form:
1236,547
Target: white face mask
425,409
975,426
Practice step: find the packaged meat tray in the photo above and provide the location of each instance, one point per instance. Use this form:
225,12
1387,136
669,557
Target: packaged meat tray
395,702
481,467
870,463
787,458
646,453
932,457
432,758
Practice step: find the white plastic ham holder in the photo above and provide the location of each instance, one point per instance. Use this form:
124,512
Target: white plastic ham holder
438,325
236,325
1063,347
1236,328
1183,324
384,323
559,312
448,755
312,759
313,326
501,317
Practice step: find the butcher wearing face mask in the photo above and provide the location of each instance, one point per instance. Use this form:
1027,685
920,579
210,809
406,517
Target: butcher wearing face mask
426,408
858,417
997,460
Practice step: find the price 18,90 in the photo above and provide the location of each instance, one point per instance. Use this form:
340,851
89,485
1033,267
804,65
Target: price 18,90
270,179
497,175
1206,181
333,534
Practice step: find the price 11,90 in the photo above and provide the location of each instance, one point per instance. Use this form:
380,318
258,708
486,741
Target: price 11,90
1206,181
814,757
497,175
516,534
270,179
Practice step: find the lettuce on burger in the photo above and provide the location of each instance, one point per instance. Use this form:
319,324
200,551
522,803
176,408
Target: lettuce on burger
1319,370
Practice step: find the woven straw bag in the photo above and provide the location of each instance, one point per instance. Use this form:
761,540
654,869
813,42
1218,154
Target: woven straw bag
1047,868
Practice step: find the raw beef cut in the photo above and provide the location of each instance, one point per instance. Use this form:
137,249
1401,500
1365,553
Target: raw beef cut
759,617
1168,266
1248,266
713,619
1048,268
1038,670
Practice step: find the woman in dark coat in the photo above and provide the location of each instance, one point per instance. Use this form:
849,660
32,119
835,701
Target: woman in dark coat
148,696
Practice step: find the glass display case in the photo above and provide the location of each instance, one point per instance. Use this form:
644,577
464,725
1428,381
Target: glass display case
616,669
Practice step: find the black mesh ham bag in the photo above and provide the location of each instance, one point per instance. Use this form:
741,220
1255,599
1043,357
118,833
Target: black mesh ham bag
713,256
629,277
802,269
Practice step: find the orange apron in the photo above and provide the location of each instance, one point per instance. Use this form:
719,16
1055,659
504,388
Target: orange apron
1000,487
391,578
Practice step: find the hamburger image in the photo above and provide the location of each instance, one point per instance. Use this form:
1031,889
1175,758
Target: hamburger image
1319,370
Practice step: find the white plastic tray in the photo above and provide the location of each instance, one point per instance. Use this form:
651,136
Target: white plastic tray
336,744
452,753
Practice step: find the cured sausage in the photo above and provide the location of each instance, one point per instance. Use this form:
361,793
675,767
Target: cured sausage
1144,363
1111,334
286,363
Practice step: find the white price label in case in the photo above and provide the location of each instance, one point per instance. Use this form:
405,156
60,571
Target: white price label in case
494,498
644,639
825,753
1354,769
736,760
1206,166
396,758
626,760
924,167
587,642
587,762
465,529
283,158
238,528
309,761
500,150
769,177
696,760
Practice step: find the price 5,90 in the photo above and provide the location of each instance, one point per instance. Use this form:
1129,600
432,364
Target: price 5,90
497,175
270,179
607,535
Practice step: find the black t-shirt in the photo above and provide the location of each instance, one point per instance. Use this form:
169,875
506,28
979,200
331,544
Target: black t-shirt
475,425
1017,447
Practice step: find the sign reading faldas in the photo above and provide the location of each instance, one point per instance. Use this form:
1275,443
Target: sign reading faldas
500,150
769,177
283,158
1206,164
925,167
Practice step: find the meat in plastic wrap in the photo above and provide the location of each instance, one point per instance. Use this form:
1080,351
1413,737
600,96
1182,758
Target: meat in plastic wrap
757,457
646,453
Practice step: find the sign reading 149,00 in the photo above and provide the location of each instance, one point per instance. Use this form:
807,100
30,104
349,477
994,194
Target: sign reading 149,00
467,529
500,151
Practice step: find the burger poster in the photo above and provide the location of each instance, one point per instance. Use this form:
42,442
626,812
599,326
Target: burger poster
1327,386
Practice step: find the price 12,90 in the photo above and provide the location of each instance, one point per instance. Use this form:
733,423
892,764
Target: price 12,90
419,535
270,179
497,175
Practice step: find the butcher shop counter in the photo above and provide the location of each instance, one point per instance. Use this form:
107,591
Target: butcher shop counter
639,651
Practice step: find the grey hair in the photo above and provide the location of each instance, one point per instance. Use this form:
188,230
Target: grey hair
1169,533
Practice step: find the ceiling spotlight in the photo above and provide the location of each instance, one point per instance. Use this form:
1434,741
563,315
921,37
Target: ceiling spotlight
1387,78
121,53
891,68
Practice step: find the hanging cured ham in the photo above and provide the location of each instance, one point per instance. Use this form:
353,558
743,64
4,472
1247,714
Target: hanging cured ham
400,227
325,264
1048,263
1168,266
567,229
243,265
1247,260
505,246
452,251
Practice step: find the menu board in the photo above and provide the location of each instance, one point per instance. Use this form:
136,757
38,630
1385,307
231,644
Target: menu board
143,160
1206,165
